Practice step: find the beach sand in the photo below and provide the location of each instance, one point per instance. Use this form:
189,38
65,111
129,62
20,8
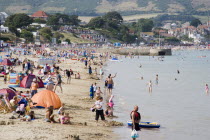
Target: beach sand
77,103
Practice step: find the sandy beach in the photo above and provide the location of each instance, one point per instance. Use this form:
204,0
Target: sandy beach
76,98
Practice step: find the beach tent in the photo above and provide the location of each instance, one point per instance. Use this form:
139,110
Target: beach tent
6,62
46,98
10,92
26,82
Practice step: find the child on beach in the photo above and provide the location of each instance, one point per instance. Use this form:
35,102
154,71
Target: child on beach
61,118
91,92
108,112
61,109
111,103
27,118
66,118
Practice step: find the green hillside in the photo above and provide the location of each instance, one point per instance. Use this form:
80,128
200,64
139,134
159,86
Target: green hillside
97,7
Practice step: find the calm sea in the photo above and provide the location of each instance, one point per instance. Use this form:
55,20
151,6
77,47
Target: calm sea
180,106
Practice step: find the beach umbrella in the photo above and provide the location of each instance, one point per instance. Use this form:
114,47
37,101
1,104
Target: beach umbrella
46,98
8,91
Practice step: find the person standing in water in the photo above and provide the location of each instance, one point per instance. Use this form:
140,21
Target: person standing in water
150,86
135,118
110,83
156,79
207,88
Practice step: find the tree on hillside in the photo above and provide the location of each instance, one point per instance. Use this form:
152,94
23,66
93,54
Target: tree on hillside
63,19
97,22
74,20
46,33
27,35
17,21
195,22
40,21
52,20
145,25
58,35
114,17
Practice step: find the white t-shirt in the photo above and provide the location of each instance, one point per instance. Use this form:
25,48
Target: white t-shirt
94,87
99,104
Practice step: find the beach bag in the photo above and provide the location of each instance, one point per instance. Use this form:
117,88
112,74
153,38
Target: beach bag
134,134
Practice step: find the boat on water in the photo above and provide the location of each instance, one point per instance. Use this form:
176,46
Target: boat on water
146,124
115,59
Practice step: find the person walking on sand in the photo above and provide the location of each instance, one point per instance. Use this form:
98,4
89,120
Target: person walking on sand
90,70
68,74
59,81
207,88
150,86
135,118
110,83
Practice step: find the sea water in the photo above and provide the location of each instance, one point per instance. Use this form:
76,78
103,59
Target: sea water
181,106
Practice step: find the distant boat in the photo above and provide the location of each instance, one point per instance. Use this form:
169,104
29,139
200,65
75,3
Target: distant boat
115,59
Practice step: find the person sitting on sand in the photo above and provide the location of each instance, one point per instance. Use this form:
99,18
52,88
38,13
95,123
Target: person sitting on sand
27,117
108,112
14,103
66,118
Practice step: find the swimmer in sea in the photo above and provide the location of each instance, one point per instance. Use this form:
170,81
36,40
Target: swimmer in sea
142,78
156,79
207,88
150,86
178,71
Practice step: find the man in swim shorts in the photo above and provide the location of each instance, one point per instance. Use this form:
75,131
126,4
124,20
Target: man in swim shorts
110,83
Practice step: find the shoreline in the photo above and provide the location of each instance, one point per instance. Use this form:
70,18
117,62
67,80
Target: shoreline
77,103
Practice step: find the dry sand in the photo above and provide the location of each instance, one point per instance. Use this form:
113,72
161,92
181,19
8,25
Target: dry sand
78,104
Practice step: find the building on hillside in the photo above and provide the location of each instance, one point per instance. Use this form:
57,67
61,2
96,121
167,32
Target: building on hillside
4,29
3,17
197,37
40,15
